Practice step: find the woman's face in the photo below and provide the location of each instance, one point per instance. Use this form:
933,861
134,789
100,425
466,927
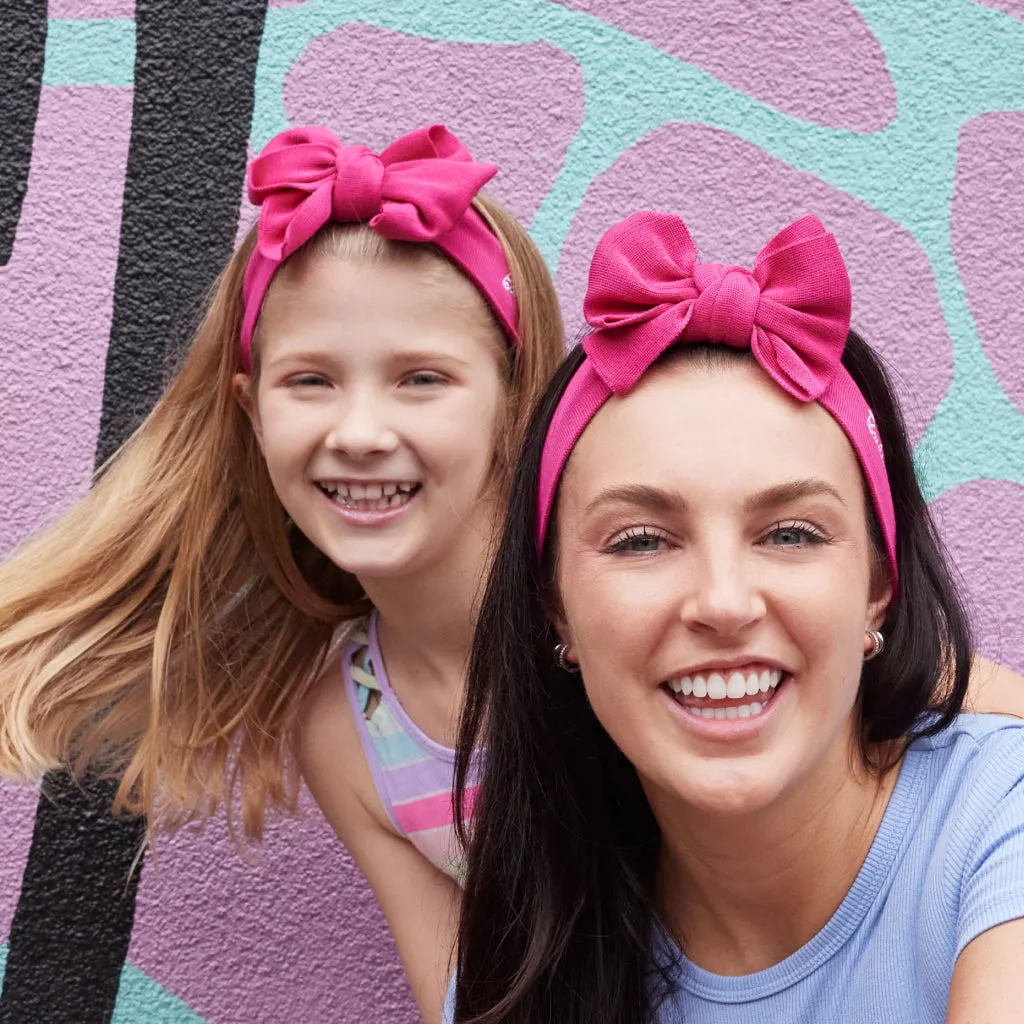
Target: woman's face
380,391
716,583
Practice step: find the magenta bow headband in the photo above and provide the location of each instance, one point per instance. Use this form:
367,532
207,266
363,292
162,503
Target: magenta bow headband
420,189
647,292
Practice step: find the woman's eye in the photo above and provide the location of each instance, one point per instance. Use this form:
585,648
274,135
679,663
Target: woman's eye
794,535
638,541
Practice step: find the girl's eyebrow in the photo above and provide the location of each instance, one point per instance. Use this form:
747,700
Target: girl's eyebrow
658,499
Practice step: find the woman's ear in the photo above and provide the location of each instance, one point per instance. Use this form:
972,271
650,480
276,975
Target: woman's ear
881,594
244,387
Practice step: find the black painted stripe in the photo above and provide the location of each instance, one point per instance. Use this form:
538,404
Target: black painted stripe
22,47
194,72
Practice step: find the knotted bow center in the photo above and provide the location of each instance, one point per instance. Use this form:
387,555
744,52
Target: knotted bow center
726,309
359,175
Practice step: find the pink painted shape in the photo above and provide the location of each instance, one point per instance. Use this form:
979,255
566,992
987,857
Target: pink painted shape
56,300
815,61
981,525
987,232
515,106
18,813
734,197
1015,8
91,9
293,936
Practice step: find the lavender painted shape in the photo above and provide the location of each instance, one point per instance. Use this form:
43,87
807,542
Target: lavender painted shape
91,9
987,232
56,300
294,934
515,106
981,525
815,61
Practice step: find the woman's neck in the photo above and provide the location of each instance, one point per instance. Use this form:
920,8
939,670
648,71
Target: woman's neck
742,893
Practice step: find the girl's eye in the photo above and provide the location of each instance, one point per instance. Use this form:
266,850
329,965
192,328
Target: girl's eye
637,540
307,380
795,535
423,378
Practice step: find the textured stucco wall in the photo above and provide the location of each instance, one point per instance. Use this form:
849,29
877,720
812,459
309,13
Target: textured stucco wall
900,124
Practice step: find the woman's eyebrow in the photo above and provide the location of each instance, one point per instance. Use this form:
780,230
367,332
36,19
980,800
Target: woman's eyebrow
660,500
782,494
637,494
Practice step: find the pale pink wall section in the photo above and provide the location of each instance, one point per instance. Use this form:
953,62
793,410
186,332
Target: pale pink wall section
515,106
734,197
56,297
91,9
293,935
987,231
56,300
815,61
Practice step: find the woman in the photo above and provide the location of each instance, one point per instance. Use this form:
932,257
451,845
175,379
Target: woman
757,799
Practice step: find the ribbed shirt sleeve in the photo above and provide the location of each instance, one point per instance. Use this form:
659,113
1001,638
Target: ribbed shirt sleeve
992,886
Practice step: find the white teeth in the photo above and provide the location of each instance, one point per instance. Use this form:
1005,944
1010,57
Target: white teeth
765,681
756,708
374,491
389,489
707,713
743,711
700,687
776,678
736,687
732,712
753,684
695,712
720,713
687,686
675,685
716,686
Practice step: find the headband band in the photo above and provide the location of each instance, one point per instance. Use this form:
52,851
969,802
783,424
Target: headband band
647,292
420,189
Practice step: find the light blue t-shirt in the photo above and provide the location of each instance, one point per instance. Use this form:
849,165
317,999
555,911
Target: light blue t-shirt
946,865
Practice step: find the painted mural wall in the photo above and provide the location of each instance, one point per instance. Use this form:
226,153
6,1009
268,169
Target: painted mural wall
126,128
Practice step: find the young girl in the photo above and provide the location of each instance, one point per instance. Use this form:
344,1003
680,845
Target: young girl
337,440
718,672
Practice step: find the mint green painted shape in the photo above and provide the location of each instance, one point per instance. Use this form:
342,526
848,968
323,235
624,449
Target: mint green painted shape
84,52
906,171
140,1000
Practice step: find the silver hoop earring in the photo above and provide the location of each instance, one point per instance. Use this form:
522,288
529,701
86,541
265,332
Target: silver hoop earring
561,661
879,642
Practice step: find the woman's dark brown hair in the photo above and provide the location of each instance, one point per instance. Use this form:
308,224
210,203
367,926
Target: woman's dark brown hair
559,922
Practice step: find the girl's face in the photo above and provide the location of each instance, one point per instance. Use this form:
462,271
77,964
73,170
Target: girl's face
380,391
715,576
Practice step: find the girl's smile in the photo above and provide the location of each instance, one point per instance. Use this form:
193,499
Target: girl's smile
368,376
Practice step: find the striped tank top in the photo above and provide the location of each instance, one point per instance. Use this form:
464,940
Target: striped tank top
413,774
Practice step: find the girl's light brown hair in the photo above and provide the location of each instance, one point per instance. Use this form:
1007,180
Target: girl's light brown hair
167,628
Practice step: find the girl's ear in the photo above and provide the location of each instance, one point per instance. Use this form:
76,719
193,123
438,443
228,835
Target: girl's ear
244,387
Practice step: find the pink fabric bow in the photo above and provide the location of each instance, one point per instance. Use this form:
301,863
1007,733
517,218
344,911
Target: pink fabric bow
419,189
415,190
647,291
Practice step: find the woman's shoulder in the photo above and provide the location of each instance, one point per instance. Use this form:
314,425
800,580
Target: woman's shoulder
969,782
